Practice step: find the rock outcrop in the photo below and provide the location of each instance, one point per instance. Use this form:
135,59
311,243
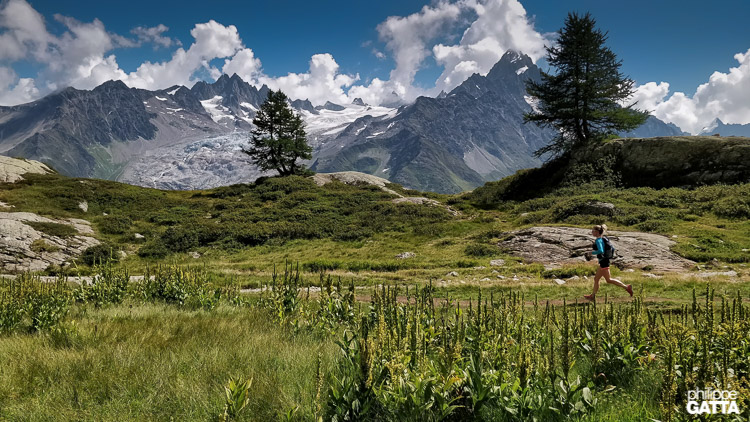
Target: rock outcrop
353,178
24,248
13,169
555,246
676,161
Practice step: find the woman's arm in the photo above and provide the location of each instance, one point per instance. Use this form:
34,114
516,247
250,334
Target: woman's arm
599,243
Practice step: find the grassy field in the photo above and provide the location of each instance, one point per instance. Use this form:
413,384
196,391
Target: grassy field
166,350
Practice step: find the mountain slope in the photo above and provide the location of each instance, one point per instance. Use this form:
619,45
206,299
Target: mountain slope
448,144
723,129
654,127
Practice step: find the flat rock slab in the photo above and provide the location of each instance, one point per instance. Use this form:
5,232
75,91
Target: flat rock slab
352,178
556,246
17,237
12,169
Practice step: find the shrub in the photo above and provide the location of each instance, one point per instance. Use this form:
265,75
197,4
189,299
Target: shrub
321,266
99,254
40,245
654,226
154,250
53,229
481,249
114,224
732,207
466,264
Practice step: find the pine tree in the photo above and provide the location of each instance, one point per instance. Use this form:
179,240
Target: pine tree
278,138
582,100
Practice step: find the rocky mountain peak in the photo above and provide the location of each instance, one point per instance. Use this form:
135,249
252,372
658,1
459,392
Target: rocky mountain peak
304,105
112,85
330,106
511,63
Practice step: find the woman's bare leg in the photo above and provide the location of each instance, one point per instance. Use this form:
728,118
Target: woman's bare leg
611,280
596,284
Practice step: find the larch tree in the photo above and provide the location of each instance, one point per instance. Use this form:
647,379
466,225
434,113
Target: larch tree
583,99
278,139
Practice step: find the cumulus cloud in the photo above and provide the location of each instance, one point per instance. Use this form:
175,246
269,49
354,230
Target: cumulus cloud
501,25
82,55
245,65
494,27
484,30
24,31
212,40
154,35
725,96
321,83
14,90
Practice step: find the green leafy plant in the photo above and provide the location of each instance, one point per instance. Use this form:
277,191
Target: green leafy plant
236,396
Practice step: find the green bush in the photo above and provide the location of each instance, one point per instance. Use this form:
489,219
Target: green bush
40,245
481,250
153,250
732,207
114,224
654,226
466,264
321,266
99,254
53,229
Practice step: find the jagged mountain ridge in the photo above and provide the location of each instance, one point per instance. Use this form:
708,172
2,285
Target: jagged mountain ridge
188,138
95,133
654,127
448,144
723,129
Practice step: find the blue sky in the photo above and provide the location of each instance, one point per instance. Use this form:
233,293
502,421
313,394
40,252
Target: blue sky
384,51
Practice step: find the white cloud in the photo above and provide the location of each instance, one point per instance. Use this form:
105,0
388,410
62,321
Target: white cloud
245,65
81,56
496,26
321,83
725,95
24,31
407,37
501,25
154,35
22,91
212,40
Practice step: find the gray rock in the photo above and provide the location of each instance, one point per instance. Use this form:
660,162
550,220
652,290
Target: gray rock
566,245
598,208
497,262
84,206
12,169
195,255
139,236
452,274
559,281
406,255
23,248
706,274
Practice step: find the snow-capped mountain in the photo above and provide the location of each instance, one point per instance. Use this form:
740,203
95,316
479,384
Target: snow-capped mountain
723,129
451,143
190,138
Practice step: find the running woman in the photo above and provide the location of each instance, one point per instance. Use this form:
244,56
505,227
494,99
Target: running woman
603,270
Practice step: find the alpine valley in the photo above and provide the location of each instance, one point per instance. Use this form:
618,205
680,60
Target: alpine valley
192,138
